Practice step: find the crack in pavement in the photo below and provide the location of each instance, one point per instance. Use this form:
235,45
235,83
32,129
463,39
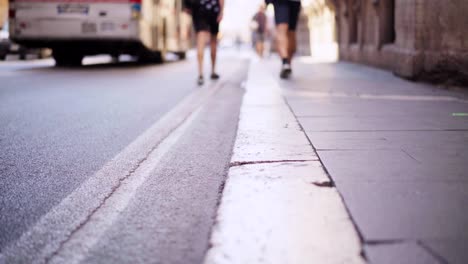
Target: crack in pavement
243,163
380,242
411,156
324,184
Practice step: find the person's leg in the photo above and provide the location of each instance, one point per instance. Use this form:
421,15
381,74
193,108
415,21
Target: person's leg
260,48
282,28
261,44
201,44
294,12
292,44
214,48
283,49
214,30
202,38
282,40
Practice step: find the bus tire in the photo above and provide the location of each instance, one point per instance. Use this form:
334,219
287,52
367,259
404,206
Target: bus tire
63,59
151,57
115,58
182,55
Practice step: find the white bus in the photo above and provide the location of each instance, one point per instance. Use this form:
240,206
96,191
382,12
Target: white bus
76,28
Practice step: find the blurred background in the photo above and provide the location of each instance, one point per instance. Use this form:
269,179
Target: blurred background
426,42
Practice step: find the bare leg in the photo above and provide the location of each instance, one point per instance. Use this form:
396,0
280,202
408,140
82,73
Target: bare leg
214,47
202,38
260,49
283,49
292,44
282,40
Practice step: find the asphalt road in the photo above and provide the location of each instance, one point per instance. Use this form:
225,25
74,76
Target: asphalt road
60,126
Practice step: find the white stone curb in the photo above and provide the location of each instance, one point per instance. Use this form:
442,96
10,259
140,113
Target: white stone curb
275,207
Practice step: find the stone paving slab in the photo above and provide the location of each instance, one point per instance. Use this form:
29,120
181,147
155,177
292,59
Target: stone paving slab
396,152
391,165
430,140
454,251
270,134
358,114
407,210
273,213
402,253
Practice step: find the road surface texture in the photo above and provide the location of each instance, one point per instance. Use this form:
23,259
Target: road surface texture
396,150
75,142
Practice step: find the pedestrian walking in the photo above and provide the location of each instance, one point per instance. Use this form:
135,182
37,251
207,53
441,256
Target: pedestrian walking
286,19
260,30
206,16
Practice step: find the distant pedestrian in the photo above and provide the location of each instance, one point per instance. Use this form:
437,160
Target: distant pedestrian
286,19
260,30
206,16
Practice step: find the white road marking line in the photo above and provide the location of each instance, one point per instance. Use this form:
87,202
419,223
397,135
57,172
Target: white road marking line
276,212
43,239
77,248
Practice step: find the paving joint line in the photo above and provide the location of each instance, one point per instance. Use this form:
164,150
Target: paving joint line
379,242
332,182
434,254
383,242
411,156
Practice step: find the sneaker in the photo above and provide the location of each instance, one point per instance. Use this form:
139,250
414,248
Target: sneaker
214,76
285,71
200,80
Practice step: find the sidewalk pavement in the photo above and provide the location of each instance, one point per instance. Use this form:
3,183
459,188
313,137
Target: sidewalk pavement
278,205
397,152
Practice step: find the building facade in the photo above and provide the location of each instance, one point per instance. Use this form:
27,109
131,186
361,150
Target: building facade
3,11
416,39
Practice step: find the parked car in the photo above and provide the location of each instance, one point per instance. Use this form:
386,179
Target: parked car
9,47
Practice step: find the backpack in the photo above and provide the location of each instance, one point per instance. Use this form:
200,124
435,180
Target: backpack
208,7
203,6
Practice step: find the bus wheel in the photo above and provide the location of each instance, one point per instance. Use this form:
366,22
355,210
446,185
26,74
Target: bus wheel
115,58
182,55
151,57
67,59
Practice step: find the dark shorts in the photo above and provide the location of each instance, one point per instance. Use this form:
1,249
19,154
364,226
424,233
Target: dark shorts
287,12
206,22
